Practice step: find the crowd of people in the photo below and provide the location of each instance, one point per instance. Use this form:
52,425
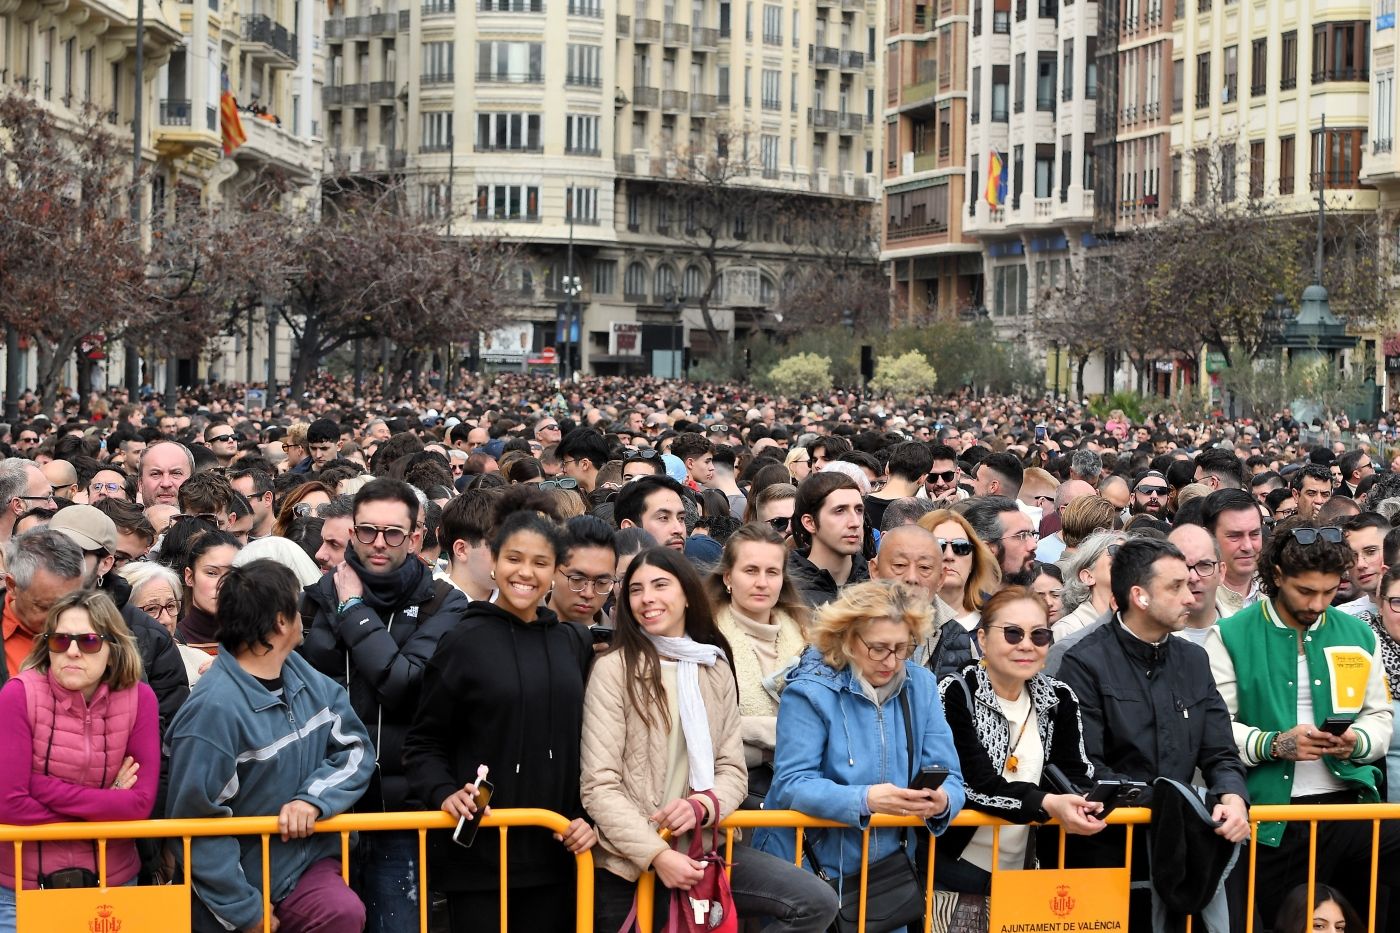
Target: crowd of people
646,605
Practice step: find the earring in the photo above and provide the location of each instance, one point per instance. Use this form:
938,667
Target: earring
493,575
982,663
729,590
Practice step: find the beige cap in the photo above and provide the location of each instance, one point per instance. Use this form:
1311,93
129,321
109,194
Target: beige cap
87,527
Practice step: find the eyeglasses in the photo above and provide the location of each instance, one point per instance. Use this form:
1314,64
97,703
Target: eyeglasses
1153,490
368,534
212,518
781,524
47,498
719,429
1281,514
88,642
961,547
946,476
154,610
601,585
1393,602
568,482
1014,635
643,455
1042,498
220,439
1022,536
1203,568
1308,536
547,427
881,652
109,488
303,509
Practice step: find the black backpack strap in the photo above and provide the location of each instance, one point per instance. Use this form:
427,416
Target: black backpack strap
441,590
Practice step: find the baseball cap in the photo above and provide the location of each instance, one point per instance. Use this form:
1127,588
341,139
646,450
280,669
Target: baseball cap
86,527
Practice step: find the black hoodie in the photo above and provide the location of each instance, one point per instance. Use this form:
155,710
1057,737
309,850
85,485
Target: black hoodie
507,694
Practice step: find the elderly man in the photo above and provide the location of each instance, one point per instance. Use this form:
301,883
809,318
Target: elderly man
164,468
62,479
22,487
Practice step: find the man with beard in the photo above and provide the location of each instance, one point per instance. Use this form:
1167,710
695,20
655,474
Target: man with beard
1150,495
1232,518
1287,666
1001,524
655,504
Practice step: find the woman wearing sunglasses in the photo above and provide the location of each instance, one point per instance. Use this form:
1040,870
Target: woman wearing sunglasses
1009,722
759,612
970,572
88,751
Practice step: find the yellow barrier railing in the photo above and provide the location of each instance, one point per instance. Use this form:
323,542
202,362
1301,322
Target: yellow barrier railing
266,827
421,822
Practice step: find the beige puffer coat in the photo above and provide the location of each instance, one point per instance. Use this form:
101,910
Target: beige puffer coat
624,763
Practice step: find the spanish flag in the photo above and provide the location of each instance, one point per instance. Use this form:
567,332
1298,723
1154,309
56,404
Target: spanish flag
996,179
229,121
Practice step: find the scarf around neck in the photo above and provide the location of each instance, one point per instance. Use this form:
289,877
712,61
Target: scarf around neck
388,591
695,724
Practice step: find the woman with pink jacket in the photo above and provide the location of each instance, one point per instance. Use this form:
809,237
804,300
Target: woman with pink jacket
81,735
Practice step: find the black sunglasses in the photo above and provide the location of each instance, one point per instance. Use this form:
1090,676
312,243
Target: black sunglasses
1308,536
781,524
1014,635
222,437
393,537
946,476
1153,490
643,455
961,546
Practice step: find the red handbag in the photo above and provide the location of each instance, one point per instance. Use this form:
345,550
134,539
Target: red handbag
709,906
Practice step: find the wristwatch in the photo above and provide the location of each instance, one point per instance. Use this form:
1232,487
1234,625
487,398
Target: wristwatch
349,603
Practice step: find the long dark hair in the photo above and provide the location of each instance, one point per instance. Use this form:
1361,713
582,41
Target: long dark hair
757,533
640,660
1295,914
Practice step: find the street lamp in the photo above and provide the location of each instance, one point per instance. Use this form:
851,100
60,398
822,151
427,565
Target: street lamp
673,307
573,287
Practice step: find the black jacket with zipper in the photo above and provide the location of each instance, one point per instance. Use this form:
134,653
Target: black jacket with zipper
507,694
380,658
815,584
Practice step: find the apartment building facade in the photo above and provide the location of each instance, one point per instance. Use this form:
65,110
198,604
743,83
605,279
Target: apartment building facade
565,125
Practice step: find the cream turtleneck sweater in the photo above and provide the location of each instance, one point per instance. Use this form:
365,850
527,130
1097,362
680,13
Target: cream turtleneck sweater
760,650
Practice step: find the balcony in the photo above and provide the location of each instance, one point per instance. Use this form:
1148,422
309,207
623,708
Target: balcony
267,142
647,30
435,8
590,8
645,98
822,119
704,39
624,26
853,6
1043,209
535,149
382,91
1340,74
383,24
625,164
175,112
925,161
674,101
335,28
702,105
851,123
176,133
268,42
824,56
331,95
355,93
675,34
852,61
356,26
506,77
909,231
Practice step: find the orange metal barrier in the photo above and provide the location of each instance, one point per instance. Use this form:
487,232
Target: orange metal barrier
34,917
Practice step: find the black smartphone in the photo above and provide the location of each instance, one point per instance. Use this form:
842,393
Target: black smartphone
602,635
930,778
1039,432
465,833
1335,725
1115,794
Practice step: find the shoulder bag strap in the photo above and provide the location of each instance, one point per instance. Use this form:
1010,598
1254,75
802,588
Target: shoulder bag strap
909,745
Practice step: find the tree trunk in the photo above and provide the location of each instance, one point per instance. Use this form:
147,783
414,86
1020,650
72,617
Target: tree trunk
84,366
48,372
307,355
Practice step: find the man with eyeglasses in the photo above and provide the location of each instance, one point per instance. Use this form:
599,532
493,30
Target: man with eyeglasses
375,621
1365,535
586,573
1203,562
546,430
941,481
1150,495
1001,524
222,441
27,440
1149,707
63,479
22,487
1306,685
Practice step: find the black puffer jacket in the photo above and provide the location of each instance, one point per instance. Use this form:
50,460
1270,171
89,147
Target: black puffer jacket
816,585
383,653
953,651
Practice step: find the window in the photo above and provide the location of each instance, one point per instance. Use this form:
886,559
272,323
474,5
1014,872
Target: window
1176,181
437,62
664,282
634,283
510,62
581,134
1341,51
1018,92
89,66
1227,172
1009,291
772,24
1045,82
1286,168
1203,79
692,283
1202,175
1229,86
1288,61
437,131
976,90
510,6
581,205
1018,175
634,211
585,65
1256,169
796,28
1091,67
1336,159
1001,77
1178,85
436,200
500,132
1258,67
1067,71
918,212
945,129
507,202
592,8
1383,121
768,154
722,85
1044,170
1066,165
1001,16
977,17
772,88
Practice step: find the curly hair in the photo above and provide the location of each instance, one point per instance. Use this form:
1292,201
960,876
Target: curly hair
837,623
1284,556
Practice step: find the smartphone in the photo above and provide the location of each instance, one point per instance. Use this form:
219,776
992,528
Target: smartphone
1040,432
1335,725
1115,794
465,833
602,635
930,778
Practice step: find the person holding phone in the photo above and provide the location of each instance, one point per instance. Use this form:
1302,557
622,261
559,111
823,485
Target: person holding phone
661,729
505,689
855,712
1010,721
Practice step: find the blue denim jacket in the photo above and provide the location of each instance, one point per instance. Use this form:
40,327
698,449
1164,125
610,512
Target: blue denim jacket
834,743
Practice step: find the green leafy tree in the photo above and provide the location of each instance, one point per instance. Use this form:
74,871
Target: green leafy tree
801,374
903,376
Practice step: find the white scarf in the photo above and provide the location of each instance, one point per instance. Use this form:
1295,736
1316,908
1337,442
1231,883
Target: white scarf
695,724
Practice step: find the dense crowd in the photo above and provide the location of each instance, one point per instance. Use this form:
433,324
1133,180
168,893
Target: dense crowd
645,605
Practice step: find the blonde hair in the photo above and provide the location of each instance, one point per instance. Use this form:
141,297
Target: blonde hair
1084,516
837,623
986,569
123,662
569,502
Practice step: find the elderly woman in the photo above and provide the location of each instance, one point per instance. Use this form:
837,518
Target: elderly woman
82,734
156,590
1087,593
1009,722
857,723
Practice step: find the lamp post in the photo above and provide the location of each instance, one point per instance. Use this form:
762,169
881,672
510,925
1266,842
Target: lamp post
272,310
673,307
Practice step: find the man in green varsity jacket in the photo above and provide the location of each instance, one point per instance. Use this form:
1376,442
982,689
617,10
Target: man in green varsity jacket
1287,667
